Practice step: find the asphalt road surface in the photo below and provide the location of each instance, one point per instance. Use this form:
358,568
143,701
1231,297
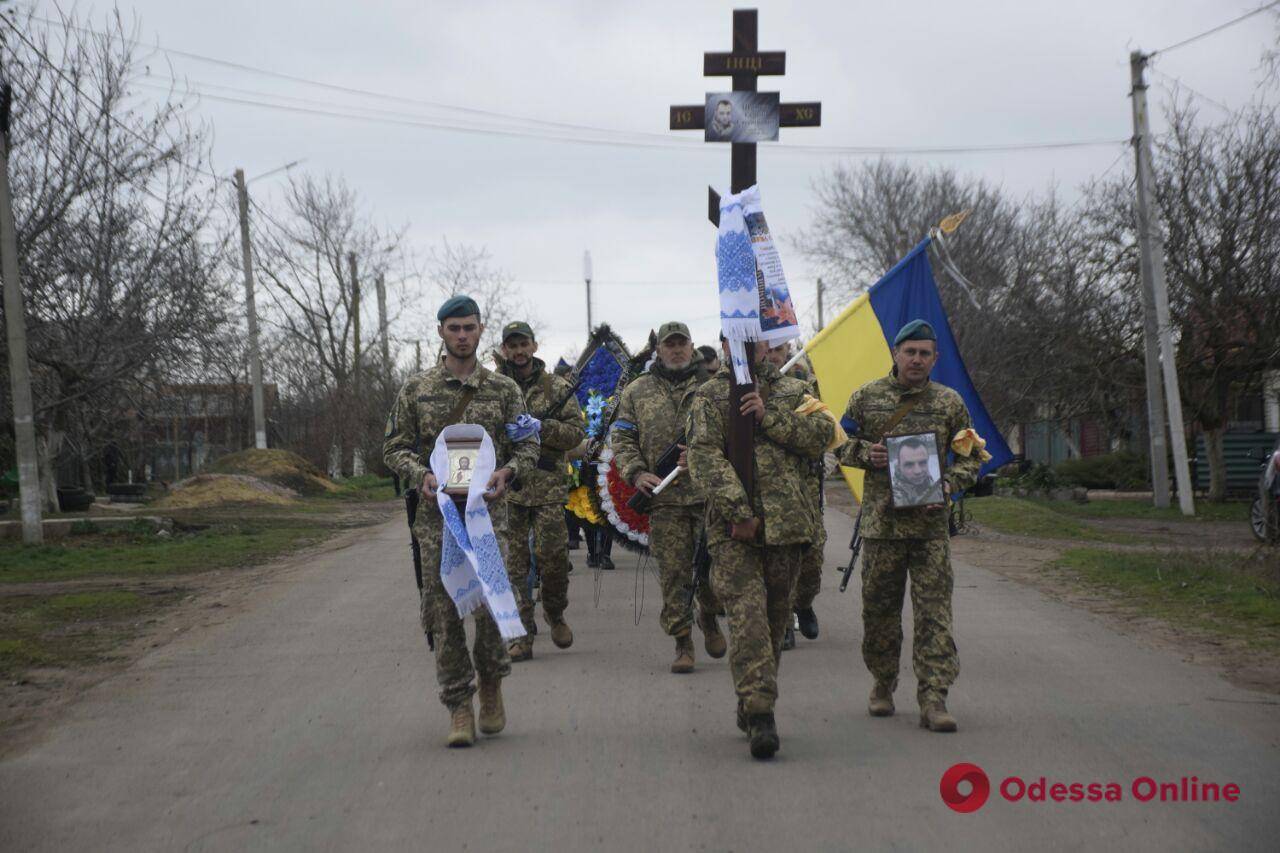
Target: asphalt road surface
309,721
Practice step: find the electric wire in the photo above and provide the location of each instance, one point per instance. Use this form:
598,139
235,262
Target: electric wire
106,113
621,138
1216,29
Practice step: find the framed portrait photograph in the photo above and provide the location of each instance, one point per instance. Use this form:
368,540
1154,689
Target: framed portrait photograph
463,455
915,470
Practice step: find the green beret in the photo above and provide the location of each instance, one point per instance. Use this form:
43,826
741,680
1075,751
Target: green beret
457,306
916,330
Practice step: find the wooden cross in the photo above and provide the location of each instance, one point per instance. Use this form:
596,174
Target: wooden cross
744,64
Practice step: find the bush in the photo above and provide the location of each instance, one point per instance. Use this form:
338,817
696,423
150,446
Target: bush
1123,470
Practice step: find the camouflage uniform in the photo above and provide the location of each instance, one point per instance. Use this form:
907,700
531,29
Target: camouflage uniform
421,409
652,414
756,580
912,542
538,503
809,582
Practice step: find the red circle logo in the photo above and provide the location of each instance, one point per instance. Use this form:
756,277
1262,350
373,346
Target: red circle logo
949,787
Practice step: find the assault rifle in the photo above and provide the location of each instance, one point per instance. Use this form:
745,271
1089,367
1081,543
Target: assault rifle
855,546
701,567
415,547
666,464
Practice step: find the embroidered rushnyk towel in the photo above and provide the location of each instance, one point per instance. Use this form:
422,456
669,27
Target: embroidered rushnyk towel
471,565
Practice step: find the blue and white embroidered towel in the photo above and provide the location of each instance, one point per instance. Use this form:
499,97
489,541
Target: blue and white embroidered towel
471,565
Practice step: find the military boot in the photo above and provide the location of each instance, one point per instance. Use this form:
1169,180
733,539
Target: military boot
561,633
493,717
764,735
684,654
789,639
935,717
808,622
743,726
881,702
521,649
712,639
606,563
462,725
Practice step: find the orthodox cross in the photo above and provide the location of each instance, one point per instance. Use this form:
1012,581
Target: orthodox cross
744,64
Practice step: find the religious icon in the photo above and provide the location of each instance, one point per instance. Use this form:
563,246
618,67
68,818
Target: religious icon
915,470
463,455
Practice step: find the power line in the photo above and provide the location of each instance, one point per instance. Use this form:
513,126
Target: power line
621,138
1216,29
659,142
102,109
251,69
1198,94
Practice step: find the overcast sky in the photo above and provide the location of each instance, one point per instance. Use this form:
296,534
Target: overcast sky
900,74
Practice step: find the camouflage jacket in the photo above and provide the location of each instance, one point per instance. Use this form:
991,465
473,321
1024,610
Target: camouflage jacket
423,405
547,482
785,445
653,412
940,411
817,466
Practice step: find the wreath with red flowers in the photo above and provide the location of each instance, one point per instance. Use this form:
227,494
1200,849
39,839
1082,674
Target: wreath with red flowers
614,493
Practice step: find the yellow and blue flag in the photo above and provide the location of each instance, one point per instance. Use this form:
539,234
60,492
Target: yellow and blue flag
856,348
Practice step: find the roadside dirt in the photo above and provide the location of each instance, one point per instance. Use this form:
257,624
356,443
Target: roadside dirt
30,705
1030,561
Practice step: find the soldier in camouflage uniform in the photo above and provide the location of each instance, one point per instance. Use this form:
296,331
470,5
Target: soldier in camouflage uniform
757,541
537,504
912,542
422,409
809,582
652,414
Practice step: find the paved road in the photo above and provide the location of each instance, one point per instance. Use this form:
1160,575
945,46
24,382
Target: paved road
309,721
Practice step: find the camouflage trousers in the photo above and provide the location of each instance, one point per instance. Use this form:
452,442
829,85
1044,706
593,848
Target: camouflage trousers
809,582
756,584
456,668
673,537
550,549
886,566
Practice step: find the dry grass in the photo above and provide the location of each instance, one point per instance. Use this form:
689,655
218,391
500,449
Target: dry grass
213,490
281,467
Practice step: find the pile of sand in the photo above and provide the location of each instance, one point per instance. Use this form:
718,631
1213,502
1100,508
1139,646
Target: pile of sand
210,490
282,467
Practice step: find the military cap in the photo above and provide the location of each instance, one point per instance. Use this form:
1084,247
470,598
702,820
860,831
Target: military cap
671,328
517,327
457,306
916,330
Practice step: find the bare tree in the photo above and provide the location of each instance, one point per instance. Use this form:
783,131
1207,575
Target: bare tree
457,268
120,244
302,260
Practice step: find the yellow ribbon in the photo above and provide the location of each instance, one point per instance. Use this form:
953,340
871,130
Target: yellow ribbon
811,405
967,440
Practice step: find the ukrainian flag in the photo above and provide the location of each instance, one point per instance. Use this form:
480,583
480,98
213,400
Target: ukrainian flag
855,348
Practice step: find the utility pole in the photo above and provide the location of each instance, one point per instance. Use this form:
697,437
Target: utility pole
251,308
586,274
24,423
820,323
382,330
417,356
1157,325
357,456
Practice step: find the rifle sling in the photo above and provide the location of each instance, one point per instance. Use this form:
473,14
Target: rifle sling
901,412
